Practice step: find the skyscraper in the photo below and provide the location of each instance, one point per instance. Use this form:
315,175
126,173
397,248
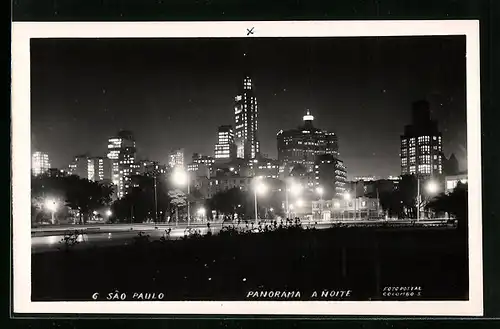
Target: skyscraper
421,144
302,145
39,163
98,168
246,121
122,153
80,166
91,168
176,158
225,148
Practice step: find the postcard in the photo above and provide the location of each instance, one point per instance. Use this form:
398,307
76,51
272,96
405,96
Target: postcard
267,168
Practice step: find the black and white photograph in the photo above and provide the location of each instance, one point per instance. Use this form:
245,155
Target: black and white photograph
246,167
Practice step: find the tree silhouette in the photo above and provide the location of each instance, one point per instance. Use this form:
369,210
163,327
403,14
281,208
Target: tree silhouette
454,203
177,200
85,196
230,202
77,193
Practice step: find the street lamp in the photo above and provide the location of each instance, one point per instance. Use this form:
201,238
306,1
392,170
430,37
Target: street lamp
181,177
51,205
336,205
432,187
320,191
295,189
201,212
347,197
109,213
259,188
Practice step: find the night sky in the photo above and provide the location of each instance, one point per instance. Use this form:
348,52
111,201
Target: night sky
174,93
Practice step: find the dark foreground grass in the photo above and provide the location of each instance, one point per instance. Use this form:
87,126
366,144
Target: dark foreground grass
228,266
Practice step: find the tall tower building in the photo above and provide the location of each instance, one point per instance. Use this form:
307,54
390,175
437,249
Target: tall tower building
225,149
421,143
301,146
246,121
40,163
122,154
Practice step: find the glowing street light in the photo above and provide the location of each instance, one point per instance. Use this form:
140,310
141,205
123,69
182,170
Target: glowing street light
109,213
181,177
347,196
52,206
295,189
201,212
320,191
259,188
432,187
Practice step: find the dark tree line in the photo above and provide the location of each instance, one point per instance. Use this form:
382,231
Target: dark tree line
242,204
70,191
454,203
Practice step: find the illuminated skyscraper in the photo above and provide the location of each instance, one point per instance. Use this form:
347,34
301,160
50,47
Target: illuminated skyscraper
246,121
421,144
302,145
80,166
225,148
122,153
40,163
91,168
176,158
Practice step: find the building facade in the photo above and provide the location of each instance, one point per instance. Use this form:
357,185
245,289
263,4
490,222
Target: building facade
421,144
246,121
122,155
361,208
452,181
176,158
225,149
91,168
99,169
267,168
39,163
151,168
331,175
301,146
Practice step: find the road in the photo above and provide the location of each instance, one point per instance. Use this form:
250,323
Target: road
50,238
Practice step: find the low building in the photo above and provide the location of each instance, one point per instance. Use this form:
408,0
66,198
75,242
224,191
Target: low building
361,208
151,168
267,168
452,181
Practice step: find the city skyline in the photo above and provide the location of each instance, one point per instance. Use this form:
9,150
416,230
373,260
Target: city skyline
200,91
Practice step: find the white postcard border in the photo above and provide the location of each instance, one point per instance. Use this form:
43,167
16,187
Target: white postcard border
22,32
